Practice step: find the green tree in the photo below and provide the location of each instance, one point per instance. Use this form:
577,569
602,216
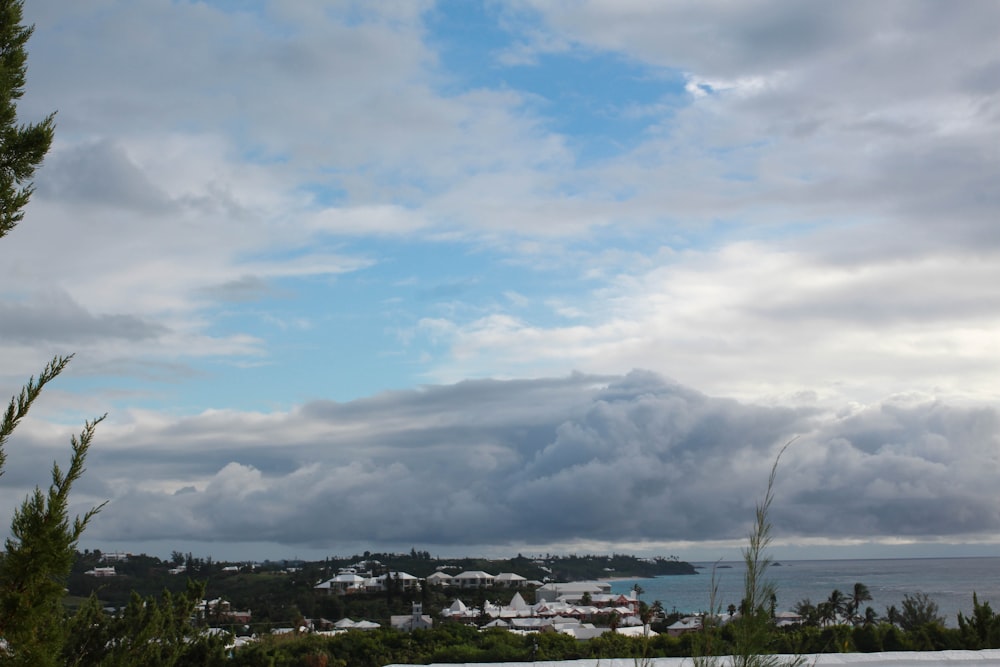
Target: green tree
859,595
148,631
835,607
919,610
982,629
892,615
807,611
22,146
40,550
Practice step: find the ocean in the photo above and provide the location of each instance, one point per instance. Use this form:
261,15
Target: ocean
949,582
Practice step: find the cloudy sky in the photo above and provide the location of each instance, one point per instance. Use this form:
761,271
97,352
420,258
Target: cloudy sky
488,277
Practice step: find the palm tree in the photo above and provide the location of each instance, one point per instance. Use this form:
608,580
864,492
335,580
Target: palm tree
859,595
892,615
837,604
825,613
807,611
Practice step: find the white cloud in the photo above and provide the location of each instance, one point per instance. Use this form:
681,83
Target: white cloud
755,322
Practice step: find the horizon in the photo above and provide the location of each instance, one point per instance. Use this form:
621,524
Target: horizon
477,274
730,556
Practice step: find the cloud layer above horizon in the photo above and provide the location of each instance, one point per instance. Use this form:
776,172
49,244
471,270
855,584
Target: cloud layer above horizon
577,460
263,224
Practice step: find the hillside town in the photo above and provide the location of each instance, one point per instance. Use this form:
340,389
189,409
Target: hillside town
569,607
440,593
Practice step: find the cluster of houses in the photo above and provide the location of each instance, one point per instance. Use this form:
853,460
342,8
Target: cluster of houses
349,580
565,607
109,571
569,608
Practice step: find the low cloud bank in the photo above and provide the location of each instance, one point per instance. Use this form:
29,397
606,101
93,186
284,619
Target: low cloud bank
631,458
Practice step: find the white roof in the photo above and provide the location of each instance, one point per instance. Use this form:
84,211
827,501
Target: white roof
569,587
474,574
517,603
509,576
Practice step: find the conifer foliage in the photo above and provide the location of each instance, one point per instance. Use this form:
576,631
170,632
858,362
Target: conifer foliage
22,147
40,550
35,628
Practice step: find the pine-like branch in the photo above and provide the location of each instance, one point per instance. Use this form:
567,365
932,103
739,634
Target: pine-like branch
21,403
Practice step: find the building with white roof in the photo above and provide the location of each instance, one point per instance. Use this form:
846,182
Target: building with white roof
439,578
572,590
509,580
473,579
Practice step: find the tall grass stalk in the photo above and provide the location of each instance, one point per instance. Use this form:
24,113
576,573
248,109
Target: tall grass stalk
752,629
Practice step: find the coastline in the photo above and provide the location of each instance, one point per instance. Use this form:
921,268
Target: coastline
950,583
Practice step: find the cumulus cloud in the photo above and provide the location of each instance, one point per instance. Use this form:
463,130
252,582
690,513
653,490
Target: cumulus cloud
635,458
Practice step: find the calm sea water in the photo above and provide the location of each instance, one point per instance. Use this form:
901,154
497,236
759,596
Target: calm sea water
950,582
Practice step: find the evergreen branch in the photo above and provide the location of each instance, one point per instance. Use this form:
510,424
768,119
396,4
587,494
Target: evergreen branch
21,403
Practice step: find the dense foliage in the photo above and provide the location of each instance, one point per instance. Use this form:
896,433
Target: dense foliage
455,643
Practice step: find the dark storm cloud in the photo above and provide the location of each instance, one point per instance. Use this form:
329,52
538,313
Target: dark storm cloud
632,458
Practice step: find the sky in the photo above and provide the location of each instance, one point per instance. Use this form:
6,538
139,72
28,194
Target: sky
527,276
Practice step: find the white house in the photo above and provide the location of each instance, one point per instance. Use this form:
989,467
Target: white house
572,591
341,584
510,580
417,620
403,580
439,579
473,579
